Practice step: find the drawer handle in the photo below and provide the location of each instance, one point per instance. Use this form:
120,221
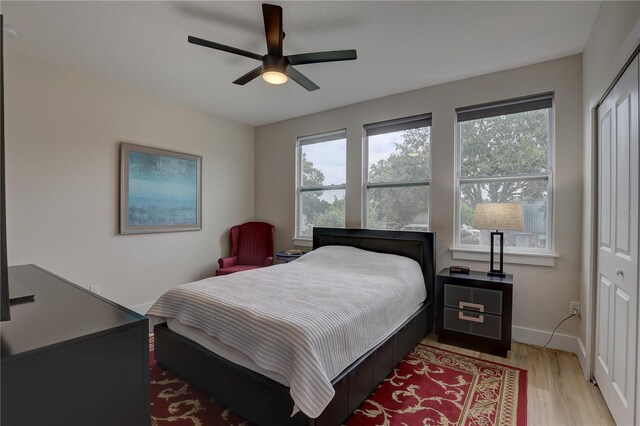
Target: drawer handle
462,316
465,305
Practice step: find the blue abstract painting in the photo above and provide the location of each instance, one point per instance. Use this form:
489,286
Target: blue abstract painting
163,190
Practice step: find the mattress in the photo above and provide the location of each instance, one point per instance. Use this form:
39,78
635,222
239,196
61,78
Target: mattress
304,322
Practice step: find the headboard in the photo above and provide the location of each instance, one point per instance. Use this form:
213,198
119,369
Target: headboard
419,246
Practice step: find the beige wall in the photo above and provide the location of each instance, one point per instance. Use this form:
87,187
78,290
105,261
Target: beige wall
63,133
542,294
614,36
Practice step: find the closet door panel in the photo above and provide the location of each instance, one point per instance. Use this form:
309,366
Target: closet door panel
617,294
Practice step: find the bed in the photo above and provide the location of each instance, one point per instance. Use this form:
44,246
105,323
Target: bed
266,400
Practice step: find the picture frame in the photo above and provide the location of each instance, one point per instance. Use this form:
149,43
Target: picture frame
160,190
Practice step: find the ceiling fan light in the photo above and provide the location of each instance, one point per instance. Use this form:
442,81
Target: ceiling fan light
275,77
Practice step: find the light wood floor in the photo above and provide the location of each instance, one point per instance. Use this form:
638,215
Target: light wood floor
557,393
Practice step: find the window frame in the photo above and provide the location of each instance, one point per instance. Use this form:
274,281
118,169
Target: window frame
300,189
393,126
501,107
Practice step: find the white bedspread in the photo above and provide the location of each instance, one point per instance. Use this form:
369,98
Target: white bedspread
306,320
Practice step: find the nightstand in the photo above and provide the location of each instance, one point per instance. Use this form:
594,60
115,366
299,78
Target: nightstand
283,256
474,311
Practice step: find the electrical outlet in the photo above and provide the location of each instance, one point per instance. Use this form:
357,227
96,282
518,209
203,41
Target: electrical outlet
574,308
95,289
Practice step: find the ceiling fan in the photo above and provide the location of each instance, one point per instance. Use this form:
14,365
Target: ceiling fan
277,68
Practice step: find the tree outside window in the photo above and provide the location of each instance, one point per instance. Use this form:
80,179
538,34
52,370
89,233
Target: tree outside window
398,174
322,182
505,158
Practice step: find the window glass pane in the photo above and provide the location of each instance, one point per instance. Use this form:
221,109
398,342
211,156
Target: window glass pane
532,194
324,163
321,208
404,208
400,156
505,145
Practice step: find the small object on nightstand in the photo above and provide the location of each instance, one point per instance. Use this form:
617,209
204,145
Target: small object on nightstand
474,311
457,269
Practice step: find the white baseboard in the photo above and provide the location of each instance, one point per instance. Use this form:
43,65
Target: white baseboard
142,308
560,341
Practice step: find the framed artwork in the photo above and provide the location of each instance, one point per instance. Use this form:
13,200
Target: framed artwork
160,190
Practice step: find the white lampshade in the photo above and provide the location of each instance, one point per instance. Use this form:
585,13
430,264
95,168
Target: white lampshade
499,216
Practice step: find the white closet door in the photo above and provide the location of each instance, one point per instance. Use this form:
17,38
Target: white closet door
617,288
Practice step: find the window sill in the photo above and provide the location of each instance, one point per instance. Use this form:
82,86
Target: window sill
302,242
518,258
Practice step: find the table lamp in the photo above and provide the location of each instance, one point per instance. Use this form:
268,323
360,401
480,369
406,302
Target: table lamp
498,216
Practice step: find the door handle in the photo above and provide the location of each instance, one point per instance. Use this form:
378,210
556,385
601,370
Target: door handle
620,272
467,305
462,316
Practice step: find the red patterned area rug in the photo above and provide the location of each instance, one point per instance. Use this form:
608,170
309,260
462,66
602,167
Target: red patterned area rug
430,386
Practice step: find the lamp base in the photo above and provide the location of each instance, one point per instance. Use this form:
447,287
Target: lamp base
493,271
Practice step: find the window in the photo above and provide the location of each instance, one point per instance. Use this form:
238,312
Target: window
504,155
321,181
397,174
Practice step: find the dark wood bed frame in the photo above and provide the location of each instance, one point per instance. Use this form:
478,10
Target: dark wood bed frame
266,402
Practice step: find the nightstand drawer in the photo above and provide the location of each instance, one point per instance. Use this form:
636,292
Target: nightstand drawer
473,299
478,324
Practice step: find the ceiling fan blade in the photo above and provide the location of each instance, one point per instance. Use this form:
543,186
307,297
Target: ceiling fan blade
317,57
273,28
249,76
299,78
224,48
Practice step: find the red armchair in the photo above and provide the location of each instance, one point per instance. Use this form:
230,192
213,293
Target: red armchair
251,248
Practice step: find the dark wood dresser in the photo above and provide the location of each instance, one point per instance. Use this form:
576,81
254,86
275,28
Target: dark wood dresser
71,357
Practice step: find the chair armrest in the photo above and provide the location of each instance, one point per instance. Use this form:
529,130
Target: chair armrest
225,262
268,261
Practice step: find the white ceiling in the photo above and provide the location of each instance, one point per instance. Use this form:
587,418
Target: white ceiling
401,46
